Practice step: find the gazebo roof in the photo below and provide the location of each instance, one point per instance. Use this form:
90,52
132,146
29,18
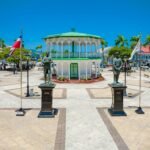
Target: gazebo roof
72,34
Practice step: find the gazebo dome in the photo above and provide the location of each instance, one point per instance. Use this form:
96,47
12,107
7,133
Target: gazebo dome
73,33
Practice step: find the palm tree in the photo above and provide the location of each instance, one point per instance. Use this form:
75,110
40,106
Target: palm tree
104,44
39,47
147,41
121,41
2,43
134,40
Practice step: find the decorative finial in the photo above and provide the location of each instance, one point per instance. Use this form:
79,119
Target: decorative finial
73,29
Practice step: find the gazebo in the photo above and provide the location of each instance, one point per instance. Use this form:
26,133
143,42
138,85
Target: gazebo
75,55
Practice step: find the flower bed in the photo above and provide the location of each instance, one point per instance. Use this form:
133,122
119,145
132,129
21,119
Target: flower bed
66,80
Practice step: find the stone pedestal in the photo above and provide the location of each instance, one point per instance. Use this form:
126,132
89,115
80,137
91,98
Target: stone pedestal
117,100
47,110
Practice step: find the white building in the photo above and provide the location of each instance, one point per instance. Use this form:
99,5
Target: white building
75,54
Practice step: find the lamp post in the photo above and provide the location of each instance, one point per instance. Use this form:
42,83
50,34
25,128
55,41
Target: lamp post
125,72
14,69
28,94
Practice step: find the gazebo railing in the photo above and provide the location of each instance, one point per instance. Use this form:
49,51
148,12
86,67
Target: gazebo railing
75,55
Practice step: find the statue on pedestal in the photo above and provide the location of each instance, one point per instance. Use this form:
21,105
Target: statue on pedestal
117,65
47,110
117,89
47,68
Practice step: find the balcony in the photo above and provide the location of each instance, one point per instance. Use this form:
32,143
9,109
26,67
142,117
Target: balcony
90,55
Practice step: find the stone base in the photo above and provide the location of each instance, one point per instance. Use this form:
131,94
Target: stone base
139,110
116,113
48,114
46,101
20,112
116,108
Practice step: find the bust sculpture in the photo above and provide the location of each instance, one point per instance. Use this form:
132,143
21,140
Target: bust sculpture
117,65
47,68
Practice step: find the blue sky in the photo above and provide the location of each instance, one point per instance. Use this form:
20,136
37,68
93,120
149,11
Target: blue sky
106,18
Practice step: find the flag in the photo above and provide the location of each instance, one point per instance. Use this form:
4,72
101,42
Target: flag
17,44
136,49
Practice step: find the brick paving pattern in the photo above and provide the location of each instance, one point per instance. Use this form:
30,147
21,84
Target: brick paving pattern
105,93
79,126
58,93
131,131
29,132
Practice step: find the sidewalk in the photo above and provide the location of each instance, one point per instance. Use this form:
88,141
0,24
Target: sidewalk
85,128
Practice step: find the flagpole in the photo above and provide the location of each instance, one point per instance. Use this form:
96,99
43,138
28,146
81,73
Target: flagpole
21,111
139,109
21,71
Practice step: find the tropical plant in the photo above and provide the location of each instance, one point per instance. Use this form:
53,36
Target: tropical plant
123,51
61,78
121,41
53,51
104,44
66,51
5,52
43,54
133,41
147,41
2,43
15,57
38,47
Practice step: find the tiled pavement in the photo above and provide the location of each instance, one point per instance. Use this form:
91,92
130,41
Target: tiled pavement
58,93
30,132
96,93
133,131
85,128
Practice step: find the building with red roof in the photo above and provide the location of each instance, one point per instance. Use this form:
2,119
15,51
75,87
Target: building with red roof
146,49
146,53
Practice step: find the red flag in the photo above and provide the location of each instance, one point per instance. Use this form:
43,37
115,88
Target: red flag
17,44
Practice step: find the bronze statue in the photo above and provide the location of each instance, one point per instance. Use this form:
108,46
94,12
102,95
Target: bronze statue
117,65
47,67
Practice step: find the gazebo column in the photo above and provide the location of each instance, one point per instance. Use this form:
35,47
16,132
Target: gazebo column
62,49
62,69
96,50
90,69
96,69
95,47
79,48
99,68
69,45
58,69
69,70
91,50
57,49
86,48
79,69
86,70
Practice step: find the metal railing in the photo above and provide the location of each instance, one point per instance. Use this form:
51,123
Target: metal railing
75,55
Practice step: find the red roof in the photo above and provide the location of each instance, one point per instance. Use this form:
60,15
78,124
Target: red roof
146,49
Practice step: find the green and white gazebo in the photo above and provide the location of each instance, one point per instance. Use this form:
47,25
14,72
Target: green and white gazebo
75,55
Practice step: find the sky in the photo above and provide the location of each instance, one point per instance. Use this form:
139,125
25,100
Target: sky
105,18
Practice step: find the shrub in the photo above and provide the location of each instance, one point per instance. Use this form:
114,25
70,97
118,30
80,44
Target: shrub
63,78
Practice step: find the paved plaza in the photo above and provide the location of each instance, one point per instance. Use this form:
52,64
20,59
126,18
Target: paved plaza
82,122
